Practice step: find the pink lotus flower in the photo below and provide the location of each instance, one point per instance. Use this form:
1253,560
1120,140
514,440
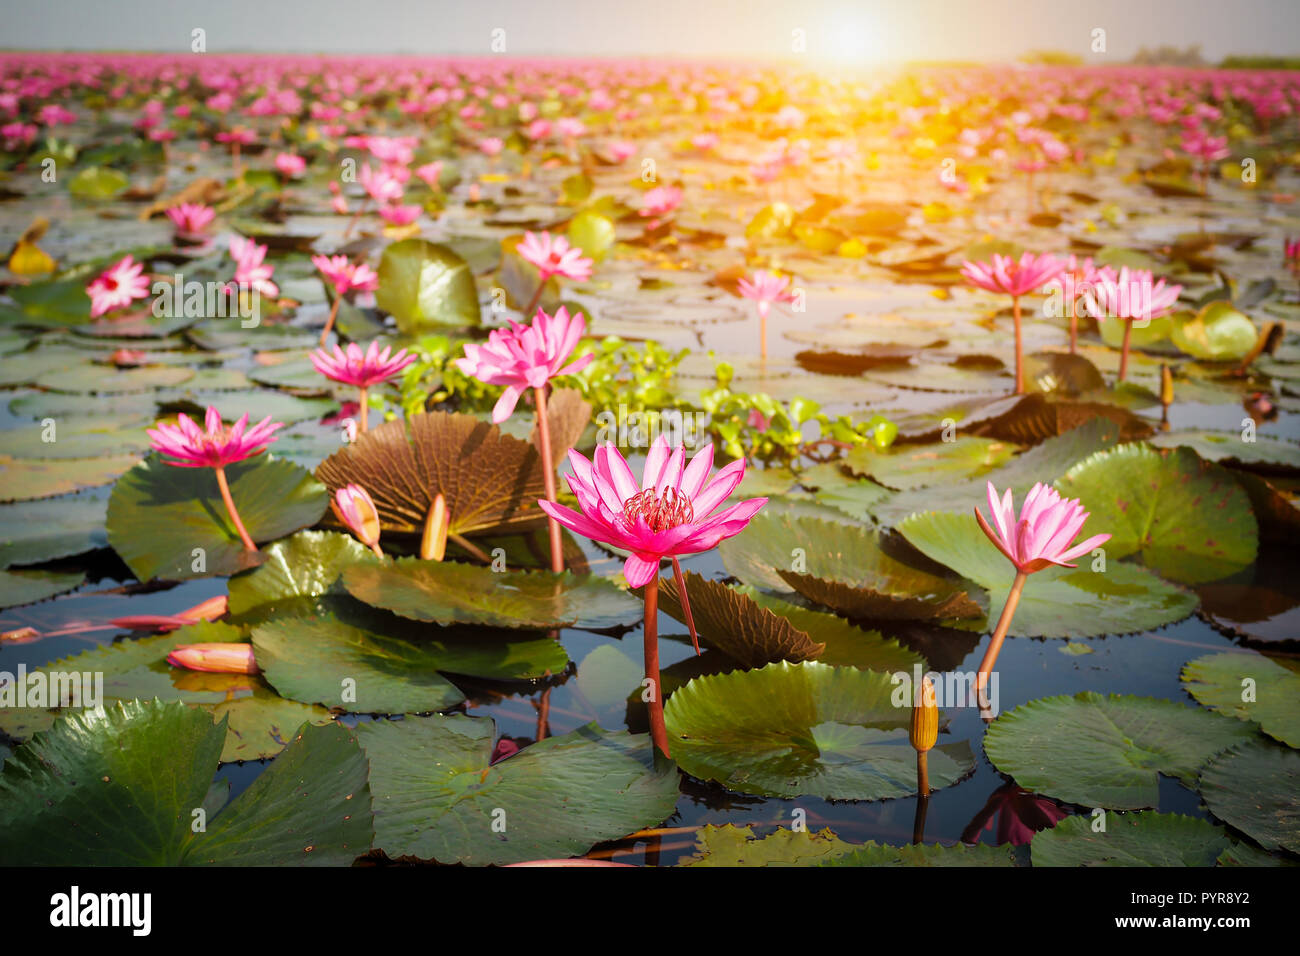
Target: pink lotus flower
491,146
117,286
215,658
1135,297
621,151
1078,276
355,509
381,185
362,369
764,289
344,275
1015,278
1020,814
250,270
214,447
290,165
553,256
430,173
191,219
526,356
1041,536
400,215
660,201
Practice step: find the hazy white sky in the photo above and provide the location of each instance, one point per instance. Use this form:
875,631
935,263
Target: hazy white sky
869,30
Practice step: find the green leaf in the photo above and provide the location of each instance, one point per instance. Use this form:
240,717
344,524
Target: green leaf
1100,751
907,467
437,797
159,514
730,845
771,222
592,233
108,379
28,587
1056,602
25,479
1145,838
789,730
1187,519
1223,682
121,787
98,182
1256,788
448,592
424,286
308,564
1218,333
1268,454
926,854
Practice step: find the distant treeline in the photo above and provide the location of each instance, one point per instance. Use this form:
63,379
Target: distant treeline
1169,56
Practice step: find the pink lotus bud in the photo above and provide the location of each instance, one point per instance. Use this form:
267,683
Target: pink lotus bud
215,658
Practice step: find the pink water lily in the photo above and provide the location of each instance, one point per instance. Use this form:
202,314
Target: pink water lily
214,446
1040,537
360,369
344,276
356,510
765,289
1014,277
553,256
1134,295
117,286
250,269
672,511
191,219
215,658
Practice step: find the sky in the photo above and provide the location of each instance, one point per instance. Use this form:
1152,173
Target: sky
864,32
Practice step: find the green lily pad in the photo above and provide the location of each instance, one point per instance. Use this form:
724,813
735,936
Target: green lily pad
789,730
925,854
448,592
907,467
1270,454
260,722
308,564
859,501
27,479
730,845
1107,751
424,286
1056,602
108,379
1145,838
1185,518
1256,788
36,531
257,403
170,522
436,795
98,182
1219,681
67,408
1243,854
1218,333
28,587
23,368
121,787
79,438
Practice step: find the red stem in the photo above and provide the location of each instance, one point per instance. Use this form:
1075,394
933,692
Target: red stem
1123,355
364,402
686,603
230,507
999,634
548,473
329,323
1020,354
1074,324
531,308
658,730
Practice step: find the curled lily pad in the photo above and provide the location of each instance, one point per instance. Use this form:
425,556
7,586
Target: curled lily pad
123,786
1248,687
437,796
423,285
28,587
1107,751
448,592
1145,838
730,845
488,480
1056,602
1217,333
1255,788
170,522
1187,519
732,622
308,564
789,730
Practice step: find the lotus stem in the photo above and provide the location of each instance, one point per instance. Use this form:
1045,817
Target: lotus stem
922,804
762,333
230,508
531,308
329,323
922,774
548,472
473,549
1074,325
363,399
1020,352
1123,355
355,217
658,731
686,603
999,635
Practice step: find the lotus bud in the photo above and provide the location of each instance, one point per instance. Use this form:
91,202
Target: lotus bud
925,719
1166,386
354,508
215,658
434,543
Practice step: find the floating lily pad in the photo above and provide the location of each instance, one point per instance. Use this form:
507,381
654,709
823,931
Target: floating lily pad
36,531
488,479
730,845
66,408
1145,838
1107,751
906,467
257,403
436,795
26,479
1056,602
925,854
1248,687
108,379
1217,333
1256,788
789,730
1262,453
28,587
859,501
120,787
260,722
170,522
306,565
424,286
1187,519
449,592
79,438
